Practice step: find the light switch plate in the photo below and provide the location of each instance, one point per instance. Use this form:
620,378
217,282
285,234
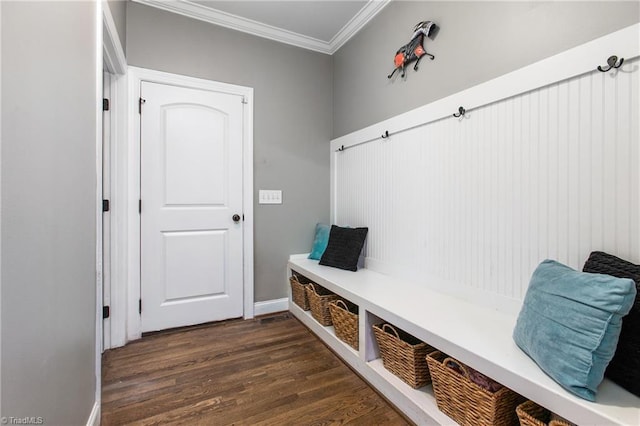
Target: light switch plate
270,196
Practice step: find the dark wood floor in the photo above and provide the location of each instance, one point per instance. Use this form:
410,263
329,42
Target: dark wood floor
269,371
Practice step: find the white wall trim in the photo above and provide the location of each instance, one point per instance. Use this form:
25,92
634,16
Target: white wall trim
364,15
106,216
574,64
130,150
118,214
238,23
247,203
217,17
113,52
271,306
115,62
94,416
131,286
623,43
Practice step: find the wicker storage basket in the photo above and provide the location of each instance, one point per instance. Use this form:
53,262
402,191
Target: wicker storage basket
298,292
403,355
344,316
486,408
531,414
319,299
448,387
466,402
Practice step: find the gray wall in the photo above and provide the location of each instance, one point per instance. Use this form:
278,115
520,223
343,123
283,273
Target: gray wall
303,99
478,41
292,122
48,210
118,10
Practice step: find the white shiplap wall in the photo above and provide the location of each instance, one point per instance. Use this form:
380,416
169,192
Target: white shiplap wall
478,202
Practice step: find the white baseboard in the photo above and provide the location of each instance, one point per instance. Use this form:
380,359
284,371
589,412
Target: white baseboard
94,417
271,306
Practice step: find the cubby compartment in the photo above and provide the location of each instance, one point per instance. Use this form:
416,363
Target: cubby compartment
471,398
344,315
298,283
319,300
403,354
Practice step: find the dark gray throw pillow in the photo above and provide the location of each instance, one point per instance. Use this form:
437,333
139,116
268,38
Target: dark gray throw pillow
344,247
624,368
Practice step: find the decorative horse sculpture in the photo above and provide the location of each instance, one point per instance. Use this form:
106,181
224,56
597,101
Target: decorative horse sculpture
414,50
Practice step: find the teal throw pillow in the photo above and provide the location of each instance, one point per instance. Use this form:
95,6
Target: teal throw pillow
570,324
320,241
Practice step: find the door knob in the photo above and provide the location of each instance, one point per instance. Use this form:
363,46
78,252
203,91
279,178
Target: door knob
236,218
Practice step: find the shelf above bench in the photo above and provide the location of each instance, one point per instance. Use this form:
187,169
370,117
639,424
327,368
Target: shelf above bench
476,335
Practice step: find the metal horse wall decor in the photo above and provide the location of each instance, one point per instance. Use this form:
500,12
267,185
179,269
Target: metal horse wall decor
414,50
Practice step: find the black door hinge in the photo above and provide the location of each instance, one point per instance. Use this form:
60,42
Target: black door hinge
139,206
105,104
140,102
105,312
105,205
140,306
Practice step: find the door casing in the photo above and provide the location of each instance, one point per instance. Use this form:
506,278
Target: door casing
106,216
126,193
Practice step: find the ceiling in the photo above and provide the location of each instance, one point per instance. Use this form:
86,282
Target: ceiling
322,26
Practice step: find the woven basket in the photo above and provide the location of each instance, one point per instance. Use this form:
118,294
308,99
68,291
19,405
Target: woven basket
319,299
298,293
403,355
466,402
448,387
531,414
486,408
345,322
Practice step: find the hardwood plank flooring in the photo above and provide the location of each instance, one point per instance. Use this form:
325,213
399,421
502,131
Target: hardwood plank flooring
267,371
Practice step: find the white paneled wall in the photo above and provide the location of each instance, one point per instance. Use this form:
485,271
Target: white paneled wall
480,201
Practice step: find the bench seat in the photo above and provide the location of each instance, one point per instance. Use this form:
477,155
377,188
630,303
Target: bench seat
477,335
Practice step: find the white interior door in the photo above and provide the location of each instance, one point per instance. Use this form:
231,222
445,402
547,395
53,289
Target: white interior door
191,188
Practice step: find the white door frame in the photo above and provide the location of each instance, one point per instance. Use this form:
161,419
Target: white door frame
106,216
116,64
129,154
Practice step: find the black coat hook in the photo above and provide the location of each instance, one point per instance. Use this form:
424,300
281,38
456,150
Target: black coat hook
612,62
341,148
461,112
385,134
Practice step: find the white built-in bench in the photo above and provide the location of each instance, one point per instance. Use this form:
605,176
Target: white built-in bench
476,335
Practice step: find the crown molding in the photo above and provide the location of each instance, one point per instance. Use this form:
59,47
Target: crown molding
356,23
197,11
111,45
